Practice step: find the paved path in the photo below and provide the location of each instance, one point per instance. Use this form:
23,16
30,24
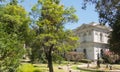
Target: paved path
68,69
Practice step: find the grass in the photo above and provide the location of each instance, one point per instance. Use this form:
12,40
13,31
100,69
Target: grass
55,66
44,68
27,67
74,67
116,66
41,67
96,69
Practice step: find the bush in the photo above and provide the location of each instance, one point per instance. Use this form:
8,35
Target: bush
74,56
110,57
101,60
57,58
85,60
27,68
37,70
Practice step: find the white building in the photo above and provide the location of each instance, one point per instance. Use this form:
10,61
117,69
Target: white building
93,39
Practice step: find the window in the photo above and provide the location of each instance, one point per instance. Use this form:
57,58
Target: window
101,37
96,33
84,51
101,52
89,32
84,37
75,50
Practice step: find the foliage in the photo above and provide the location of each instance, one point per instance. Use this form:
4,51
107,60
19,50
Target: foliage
14,19
107,9
51,36
11,51
85,61
74,56
114,36
57,58
110,57
28,68
13,33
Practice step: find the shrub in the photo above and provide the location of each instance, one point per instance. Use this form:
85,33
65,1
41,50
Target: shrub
101,60
37,70
27,68
110,57
74,56
57,58
85,60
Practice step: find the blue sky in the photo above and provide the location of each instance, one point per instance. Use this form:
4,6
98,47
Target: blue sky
85,16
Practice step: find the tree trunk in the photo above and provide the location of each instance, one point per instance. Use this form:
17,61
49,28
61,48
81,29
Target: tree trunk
50,65
49,59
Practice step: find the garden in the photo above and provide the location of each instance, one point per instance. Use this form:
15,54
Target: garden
66,66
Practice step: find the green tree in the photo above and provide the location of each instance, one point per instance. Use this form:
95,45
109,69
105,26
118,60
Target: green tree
107,9
115,33
11,51
14,28
51,35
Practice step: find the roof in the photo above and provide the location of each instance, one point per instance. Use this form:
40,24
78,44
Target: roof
94,25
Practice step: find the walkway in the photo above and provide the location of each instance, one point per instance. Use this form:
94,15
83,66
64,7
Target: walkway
68,69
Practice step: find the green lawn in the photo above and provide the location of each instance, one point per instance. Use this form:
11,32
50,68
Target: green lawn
27,67
74,67
101,69
44,67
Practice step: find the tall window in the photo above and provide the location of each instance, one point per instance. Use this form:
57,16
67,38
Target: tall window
84,51
101,53
89,32
84,37
101,37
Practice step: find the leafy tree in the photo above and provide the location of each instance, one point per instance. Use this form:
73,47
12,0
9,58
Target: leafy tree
109,14
14,30
11,51
115,33
107,9
51,35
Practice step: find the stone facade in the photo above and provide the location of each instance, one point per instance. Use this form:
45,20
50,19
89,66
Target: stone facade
93,39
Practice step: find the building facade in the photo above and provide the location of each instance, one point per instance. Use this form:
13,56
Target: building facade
93,39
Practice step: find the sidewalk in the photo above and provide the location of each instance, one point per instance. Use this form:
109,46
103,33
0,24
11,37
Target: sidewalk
68,69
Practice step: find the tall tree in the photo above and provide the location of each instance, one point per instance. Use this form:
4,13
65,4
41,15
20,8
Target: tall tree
106,8
109,14
115,34
11,51
13,31
15,20
51,36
